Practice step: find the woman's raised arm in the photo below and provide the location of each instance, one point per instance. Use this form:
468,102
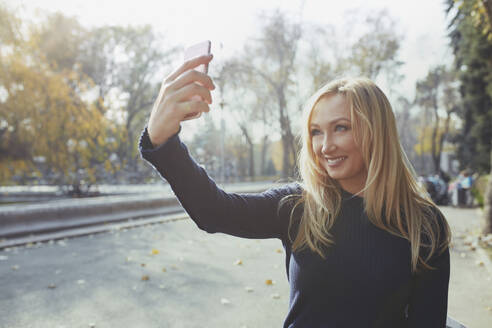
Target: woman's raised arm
213,209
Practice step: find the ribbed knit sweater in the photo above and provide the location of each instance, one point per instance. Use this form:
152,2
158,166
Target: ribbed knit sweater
365,279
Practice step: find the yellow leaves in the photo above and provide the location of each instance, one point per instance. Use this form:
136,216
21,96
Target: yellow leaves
45,111
279,250
238,262
269,282
155,251
145,278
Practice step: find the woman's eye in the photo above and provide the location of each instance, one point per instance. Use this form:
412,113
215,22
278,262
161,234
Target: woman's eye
315,132
341,128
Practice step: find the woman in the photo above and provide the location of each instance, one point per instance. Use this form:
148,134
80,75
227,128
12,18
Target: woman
364,246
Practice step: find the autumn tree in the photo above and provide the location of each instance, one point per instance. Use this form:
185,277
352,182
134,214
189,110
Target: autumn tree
48,126
470,32
269,60
126,64
437,95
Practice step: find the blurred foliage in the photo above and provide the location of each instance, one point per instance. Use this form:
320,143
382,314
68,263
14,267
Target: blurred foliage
471,41
437,96
73,100
479,188
470,31
47,129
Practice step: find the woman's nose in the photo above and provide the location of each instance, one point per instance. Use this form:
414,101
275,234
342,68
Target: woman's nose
327,147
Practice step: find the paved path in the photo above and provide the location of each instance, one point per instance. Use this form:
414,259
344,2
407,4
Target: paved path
193,279
470,291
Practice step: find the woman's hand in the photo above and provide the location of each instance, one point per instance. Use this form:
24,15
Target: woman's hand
177,99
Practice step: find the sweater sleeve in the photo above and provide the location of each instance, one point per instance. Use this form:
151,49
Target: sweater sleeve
429,301
245,215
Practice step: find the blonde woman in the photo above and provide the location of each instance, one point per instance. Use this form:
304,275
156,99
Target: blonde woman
365,246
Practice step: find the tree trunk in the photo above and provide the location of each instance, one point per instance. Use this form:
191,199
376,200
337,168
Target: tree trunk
287,136
487,213
435,152
251,151
264,147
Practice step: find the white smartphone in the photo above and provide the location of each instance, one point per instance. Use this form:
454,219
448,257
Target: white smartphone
197,50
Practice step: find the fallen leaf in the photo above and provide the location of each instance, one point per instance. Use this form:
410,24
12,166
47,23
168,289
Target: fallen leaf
142,265
238,262
225,301
275,296
279,250
155,251
162,286
15,267
249,289
145,278
51,286
269,282
92,325
164,270
128,259
480,263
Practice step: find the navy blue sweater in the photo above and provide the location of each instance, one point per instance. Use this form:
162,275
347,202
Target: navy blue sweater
365,279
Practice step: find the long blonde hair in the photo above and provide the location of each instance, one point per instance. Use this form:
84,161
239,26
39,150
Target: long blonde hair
405,210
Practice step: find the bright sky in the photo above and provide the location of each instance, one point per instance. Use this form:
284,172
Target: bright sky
422,22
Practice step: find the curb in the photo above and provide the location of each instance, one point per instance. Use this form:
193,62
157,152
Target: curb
36,241
43,218
24,220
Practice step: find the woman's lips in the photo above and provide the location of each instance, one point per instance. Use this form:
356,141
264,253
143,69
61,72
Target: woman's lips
335,161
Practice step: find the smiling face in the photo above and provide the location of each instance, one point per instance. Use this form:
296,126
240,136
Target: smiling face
334,145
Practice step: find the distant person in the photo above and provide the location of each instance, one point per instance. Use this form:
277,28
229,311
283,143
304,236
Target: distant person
466,184
365,246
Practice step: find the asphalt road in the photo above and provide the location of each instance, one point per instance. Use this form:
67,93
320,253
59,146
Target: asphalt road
175,275
102,280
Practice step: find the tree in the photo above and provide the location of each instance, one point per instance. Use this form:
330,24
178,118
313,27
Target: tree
375,51
270,61
47,128
471,41
437,93
125,63
470,32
